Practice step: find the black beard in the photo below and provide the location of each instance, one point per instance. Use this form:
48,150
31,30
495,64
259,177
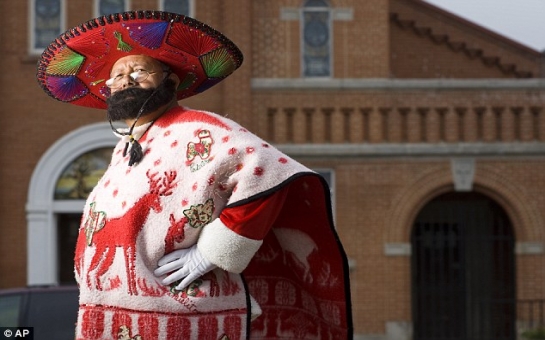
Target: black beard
126,104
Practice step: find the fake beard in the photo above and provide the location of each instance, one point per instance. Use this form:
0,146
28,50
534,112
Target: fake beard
127,103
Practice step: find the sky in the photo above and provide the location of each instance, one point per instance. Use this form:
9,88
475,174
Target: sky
519,20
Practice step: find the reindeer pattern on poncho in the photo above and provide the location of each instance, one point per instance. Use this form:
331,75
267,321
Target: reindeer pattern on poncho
106,235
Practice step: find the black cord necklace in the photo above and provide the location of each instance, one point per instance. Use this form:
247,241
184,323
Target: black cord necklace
136,153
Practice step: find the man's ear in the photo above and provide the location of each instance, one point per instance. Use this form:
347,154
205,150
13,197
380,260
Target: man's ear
176,79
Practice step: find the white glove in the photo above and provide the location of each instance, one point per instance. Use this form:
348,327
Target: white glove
187,264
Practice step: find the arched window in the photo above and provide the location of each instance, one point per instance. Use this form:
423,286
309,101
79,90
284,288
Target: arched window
316,39
80,177
47,23
184,7
104,7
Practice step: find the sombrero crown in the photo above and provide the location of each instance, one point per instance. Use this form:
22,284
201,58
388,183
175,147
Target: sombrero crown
76,65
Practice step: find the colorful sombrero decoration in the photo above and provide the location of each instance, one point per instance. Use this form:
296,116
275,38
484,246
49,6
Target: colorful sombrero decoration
76,65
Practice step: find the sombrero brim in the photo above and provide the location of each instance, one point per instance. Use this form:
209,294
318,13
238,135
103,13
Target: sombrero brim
76,65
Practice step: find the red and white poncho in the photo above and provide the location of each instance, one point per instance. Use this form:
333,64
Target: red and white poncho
260,216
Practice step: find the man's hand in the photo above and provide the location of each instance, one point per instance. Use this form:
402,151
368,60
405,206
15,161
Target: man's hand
187,264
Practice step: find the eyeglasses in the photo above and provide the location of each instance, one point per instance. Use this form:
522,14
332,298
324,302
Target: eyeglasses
136,76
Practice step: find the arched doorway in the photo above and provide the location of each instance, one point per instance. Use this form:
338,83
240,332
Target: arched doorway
463,270
50,218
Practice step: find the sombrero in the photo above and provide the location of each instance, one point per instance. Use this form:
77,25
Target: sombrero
76,65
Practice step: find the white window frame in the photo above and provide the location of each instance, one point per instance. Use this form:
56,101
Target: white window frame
302,37
191,7
32,37
96,3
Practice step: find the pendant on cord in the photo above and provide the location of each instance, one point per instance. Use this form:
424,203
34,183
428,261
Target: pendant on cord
136,153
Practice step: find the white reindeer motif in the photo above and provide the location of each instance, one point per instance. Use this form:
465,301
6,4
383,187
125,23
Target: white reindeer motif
298,246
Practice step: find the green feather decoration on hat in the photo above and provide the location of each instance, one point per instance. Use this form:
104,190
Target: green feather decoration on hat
66,62
218,63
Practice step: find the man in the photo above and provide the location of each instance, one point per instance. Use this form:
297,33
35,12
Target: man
198,229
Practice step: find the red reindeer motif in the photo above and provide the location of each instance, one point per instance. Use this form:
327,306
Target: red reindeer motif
122,232
175,233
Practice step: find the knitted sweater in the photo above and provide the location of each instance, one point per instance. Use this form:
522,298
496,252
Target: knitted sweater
196,166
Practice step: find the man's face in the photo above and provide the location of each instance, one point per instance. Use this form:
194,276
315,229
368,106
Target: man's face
128,96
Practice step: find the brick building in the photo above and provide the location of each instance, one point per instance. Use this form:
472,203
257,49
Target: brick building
429,128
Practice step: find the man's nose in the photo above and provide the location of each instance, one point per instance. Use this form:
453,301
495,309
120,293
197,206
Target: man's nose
127,81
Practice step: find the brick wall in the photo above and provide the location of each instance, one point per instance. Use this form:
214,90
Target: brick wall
407,116
377,194
360,46
430,43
